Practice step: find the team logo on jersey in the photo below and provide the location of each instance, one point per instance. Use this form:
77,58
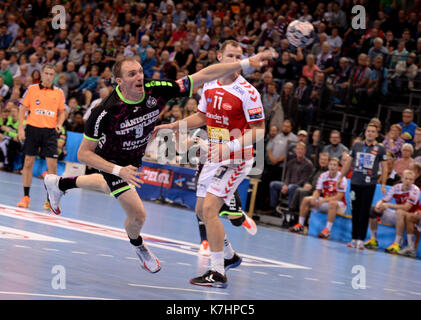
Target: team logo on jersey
37,102
255,113
237,88
227,106
151,102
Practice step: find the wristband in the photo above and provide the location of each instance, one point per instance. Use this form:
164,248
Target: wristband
245,63
116,170
234,145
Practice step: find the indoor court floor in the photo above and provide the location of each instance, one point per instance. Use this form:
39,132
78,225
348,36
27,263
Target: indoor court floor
86,251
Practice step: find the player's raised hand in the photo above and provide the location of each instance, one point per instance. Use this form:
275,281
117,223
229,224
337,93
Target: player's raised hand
261,59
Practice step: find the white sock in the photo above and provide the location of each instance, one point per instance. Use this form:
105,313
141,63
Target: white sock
228,250
373,233
217,261
411,240
329,226
302,220
398,239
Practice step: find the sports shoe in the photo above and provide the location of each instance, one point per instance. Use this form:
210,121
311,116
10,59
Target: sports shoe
24,202
352,244
232,263
360,244
372,244
249,225
47,205
298,228
408,252
325,234
393,248
204,248
211,279
54,194
148,261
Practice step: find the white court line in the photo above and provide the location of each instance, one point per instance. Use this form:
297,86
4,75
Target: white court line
120,234
20,246
183,263
285,275
52,295
79,252
131,258
337,282
236,270
260,272
50,249
415,293
106,255
179,289
392,290
311,279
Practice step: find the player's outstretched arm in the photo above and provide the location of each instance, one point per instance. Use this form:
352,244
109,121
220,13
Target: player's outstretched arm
219,70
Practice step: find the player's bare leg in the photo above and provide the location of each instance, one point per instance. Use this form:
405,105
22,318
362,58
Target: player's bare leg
136,215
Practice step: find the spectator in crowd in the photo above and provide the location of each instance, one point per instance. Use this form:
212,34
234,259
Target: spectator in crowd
377,87
340,84
78,125
284,68
277,156
269,98
149,63
335,149
310,68
303,113
404,162
298,171
325,59
412,222
327,197
103,93
393,142
289,101
399,54
4,90
72,79
89,86
417,145
405,73
77,53
406,196
314,148
5,73
335,42
359,78
378,49
408,126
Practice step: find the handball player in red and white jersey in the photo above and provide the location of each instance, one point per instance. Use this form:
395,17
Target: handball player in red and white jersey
232,110
326,198
406,195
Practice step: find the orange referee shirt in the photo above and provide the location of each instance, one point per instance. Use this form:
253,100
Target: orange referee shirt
43,104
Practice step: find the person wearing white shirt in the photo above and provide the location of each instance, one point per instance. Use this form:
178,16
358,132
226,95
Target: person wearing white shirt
103,93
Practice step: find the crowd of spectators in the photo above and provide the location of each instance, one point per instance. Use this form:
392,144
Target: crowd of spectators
354,67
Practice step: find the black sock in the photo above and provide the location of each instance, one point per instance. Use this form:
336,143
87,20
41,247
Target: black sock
239,221
26,191
65,184
136,242
202,230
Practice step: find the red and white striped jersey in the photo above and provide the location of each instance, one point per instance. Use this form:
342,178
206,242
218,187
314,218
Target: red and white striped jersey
229,109
327,185
402,196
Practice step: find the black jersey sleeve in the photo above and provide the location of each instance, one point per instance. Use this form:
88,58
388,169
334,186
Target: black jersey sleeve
96,123
169,89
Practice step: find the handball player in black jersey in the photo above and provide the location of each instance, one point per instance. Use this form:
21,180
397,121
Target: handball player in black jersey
116,136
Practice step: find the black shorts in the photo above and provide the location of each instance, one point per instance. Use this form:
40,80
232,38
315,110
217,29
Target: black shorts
40,141
116,184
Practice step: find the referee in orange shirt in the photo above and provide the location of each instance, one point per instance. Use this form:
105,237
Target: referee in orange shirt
45,105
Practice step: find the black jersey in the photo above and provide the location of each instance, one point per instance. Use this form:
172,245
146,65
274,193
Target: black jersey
123,128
